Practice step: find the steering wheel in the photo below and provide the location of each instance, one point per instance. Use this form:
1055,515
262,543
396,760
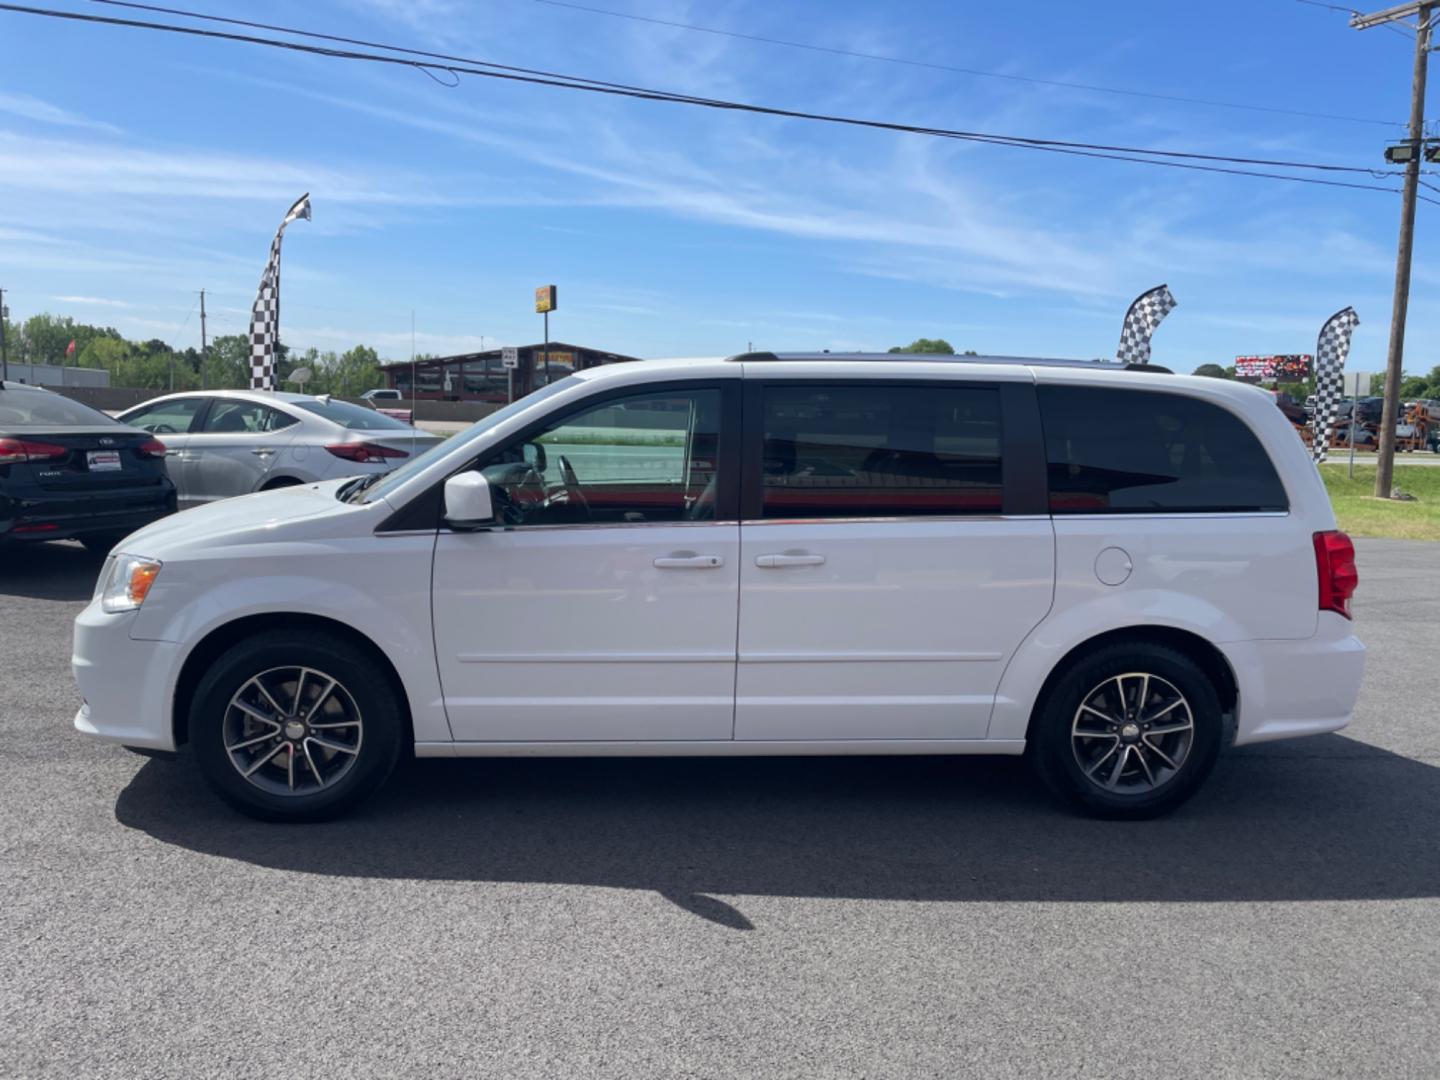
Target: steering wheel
573,495
162,429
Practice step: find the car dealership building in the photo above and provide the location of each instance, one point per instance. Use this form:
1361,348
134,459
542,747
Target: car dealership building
483,376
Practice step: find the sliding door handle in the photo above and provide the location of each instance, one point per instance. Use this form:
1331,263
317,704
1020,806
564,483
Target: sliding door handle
789,559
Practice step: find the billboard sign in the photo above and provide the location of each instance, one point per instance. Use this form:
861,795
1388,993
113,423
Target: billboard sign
1289,367
545,299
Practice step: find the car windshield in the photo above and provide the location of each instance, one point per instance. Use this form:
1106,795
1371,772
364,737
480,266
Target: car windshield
423,461
38,408
354,417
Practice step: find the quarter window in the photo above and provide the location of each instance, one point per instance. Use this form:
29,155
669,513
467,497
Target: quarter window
631,461
880,451
1144,452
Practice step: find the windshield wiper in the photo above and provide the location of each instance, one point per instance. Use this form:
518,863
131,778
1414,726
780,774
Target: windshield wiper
355,487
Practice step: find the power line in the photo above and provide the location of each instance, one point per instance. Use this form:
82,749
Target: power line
628,89
907,62
1179,159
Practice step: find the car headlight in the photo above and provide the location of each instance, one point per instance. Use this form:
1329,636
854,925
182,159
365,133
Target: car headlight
129,583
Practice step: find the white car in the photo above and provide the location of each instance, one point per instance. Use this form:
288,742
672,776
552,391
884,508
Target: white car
223,443
1117,572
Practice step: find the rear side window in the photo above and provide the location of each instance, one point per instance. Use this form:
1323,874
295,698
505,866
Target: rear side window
1144,452
354,417
880,451
243,418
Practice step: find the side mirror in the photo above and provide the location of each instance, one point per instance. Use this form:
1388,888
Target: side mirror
467,501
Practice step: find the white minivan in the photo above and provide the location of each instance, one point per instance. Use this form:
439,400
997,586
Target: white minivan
1116,572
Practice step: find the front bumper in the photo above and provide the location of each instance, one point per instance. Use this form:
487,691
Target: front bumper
128,685
1292,688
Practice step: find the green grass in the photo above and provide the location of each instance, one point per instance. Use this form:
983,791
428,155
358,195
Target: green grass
1361,514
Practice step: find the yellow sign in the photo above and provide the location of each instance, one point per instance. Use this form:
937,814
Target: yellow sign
545,299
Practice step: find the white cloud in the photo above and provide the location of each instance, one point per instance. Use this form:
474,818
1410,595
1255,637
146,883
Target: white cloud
32,108
91,301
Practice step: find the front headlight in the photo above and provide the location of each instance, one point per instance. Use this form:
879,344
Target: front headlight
129,583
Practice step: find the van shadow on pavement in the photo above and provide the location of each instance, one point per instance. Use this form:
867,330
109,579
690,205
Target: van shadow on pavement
1326,818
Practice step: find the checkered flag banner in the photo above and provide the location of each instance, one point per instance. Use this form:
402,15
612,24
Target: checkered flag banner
1145,314
265,316
1330,354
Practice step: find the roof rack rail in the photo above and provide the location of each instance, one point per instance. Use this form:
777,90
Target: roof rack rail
947,358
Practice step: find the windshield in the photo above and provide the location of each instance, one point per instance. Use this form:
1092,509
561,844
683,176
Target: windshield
354,417
417,464
37,408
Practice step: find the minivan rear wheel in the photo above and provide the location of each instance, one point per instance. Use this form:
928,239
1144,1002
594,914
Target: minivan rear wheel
295,726
1129,731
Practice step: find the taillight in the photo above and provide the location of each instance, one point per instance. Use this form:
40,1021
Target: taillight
17,450
1335,566
151,448
364,452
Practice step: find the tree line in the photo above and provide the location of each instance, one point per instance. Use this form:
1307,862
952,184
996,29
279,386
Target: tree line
155,365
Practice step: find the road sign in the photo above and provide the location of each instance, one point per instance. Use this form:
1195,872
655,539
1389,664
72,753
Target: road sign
510,356
1357,384
545,299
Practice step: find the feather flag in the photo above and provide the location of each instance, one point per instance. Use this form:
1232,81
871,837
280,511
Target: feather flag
1330,353
1145,314
265,316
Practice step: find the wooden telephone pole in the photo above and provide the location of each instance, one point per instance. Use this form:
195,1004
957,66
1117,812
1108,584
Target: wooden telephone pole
202,339
1410,154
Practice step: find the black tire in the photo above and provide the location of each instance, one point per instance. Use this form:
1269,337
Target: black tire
378,742
1053,738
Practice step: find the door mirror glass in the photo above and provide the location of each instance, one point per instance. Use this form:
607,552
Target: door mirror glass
467,501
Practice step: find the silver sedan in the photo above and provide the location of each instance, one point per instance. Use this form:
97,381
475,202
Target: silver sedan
223,443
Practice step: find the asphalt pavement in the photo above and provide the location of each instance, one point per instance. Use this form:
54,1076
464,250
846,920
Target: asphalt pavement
728,918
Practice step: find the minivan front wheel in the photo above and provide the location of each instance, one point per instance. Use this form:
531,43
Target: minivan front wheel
295,726
1130,731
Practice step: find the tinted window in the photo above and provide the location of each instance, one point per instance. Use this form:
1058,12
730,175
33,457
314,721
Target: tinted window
243,417
354,417
40,408
1136,452
636,460
880,451
166,417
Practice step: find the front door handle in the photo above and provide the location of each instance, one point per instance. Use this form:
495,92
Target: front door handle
789,559
687,561
262,451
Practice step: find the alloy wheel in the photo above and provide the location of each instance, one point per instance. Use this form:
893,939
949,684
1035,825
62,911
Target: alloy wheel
1132,733
292,731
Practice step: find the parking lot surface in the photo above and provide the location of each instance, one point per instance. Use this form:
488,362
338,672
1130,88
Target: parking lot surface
805,918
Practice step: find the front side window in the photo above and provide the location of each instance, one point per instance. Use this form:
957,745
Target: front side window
637,460
166,417
243,418
1112,451
880,451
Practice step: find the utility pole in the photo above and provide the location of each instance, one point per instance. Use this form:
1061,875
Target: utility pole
4,357
1410,154
203,343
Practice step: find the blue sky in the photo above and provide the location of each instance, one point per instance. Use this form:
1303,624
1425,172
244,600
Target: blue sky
136,168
